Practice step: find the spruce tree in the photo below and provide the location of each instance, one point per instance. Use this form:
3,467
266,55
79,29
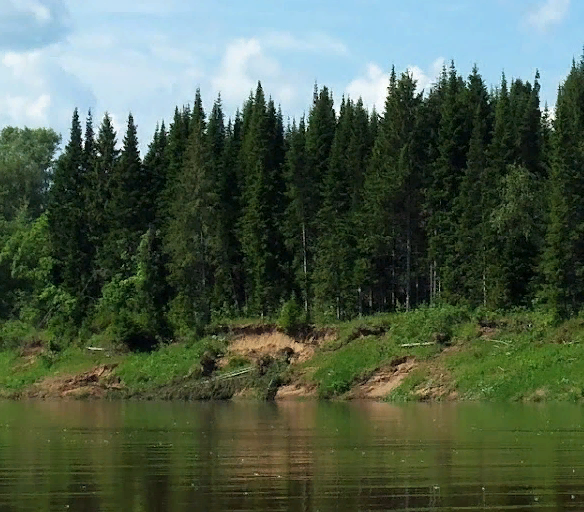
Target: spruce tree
563,259
258,226
66,219
442,190
99,195
474,242
295,226
192,227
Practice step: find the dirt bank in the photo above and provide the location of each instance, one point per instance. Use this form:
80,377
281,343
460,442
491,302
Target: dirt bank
96,383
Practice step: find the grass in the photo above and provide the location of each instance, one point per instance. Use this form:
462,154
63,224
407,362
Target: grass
18,373
494,356
356,353
142,372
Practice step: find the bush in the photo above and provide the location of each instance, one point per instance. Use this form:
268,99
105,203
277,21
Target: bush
292,317
15,334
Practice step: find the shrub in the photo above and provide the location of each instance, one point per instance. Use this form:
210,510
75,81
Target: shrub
292,317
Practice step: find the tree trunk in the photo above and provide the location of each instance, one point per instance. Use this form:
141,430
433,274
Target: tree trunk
305,268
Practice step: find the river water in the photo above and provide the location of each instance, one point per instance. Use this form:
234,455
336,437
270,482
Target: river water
292,456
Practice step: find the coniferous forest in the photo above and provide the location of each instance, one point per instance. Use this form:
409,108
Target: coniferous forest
465,193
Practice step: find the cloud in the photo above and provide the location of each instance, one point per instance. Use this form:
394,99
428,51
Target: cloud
32,24
550,12
313,43
244,63
30,111
372,87
148,7
36,91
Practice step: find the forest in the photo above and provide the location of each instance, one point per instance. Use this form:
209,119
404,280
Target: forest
464,194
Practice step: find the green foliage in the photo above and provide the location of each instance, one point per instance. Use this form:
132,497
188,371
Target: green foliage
127,309
457,195
292,317
148,371
26,166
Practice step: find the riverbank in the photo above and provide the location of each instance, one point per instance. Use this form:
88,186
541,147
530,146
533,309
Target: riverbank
444,353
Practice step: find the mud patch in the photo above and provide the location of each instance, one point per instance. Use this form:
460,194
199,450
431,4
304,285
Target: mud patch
95,383
385,380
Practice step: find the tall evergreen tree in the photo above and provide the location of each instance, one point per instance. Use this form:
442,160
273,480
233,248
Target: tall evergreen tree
563,258
259,228
99,195
453,139
192,226
66,219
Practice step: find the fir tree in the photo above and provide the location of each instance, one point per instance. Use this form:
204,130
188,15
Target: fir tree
66,218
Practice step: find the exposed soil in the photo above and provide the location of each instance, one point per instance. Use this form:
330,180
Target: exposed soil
438,386
385,380
255,346
92,384
297,390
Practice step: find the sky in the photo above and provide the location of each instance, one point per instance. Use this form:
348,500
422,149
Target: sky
146,56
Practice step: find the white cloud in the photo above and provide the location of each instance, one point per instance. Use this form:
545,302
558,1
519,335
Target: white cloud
372,87
425,79
39,11
154,7
314,43
244,63
28,110
36,91
550,12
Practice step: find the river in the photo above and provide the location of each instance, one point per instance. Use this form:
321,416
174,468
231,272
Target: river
289,456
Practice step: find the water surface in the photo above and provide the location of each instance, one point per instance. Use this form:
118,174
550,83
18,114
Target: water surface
306,456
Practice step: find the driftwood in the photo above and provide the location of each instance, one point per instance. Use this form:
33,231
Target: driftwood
235,373
409,345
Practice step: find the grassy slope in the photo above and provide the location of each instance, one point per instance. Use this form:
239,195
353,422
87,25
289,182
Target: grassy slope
500,357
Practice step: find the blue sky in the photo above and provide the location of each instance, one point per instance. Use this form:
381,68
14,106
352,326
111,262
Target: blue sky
146,56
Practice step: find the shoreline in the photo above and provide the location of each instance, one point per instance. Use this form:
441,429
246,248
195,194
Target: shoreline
428,355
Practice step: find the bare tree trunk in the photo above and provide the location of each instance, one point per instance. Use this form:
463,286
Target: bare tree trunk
408,261
305,268
484,277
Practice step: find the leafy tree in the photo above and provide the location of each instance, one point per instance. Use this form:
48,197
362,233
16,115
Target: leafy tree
26,166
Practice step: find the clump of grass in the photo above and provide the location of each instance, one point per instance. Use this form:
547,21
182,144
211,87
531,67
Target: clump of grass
350,359
406,392
146,371
15,334
18,373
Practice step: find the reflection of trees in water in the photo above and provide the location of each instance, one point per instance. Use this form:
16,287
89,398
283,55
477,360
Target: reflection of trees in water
285,456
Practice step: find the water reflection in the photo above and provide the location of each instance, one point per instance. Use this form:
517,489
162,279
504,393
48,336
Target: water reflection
303,456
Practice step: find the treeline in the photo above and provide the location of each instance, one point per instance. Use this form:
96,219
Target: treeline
459,194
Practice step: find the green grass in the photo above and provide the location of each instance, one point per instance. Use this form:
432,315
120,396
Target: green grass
529,362
351,358
495,356
18,373
142,372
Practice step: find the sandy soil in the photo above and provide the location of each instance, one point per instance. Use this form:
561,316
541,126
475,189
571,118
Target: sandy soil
385,380
92,384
